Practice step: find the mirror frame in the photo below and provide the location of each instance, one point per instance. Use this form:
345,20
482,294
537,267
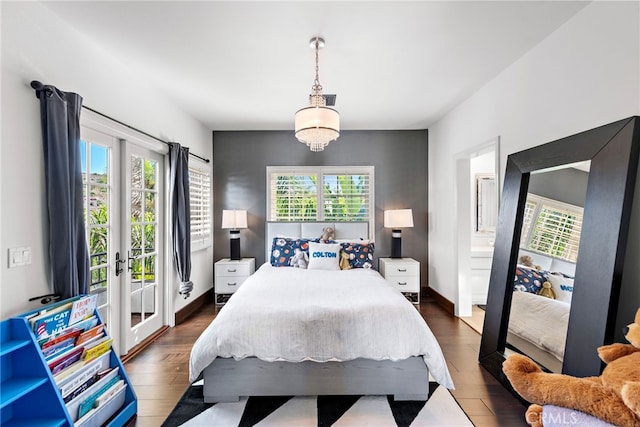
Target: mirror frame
613,150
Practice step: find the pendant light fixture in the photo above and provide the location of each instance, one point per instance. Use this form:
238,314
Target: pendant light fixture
317,125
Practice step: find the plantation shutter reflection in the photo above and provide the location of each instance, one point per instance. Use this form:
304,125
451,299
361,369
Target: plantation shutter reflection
557,233
200,205
551,227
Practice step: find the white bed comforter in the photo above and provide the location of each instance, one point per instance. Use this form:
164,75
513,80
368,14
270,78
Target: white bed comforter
293,315
541,321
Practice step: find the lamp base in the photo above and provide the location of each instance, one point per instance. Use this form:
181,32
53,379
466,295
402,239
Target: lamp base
396,244
234,245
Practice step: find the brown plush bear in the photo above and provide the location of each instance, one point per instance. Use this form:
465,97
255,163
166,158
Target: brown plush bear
613,397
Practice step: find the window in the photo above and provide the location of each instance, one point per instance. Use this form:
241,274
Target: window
200,199
552,228
335,193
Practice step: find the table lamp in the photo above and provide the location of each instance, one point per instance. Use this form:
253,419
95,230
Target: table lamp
396,219
234,220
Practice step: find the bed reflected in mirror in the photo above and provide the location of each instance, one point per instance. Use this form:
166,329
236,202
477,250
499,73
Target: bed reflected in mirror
545,270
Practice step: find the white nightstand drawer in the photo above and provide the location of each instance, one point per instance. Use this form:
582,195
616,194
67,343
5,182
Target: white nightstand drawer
404,283
402,269
229,284
233,269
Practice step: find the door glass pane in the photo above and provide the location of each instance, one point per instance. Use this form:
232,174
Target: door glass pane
136,306
136,206
150,207
150,174
149,238
98,168
98,205
136,172
136,240
150,269
136,273
149,298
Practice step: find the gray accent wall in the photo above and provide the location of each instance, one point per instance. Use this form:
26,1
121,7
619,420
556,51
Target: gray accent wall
400,159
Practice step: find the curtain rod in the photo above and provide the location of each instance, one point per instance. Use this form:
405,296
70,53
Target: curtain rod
138,130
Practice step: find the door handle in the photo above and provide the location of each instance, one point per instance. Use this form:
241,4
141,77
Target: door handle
119,269
129,259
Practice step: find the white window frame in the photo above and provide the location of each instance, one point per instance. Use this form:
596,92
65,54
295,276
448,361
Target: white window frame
201,240
531,220
320,171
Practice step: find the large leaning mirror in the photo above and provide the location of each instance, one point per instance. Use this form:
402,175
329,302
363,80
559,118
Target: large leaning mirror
592,266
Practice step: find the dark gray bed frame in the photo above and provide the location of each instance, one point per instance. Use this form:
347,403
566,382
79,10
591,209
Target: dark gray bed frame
227,379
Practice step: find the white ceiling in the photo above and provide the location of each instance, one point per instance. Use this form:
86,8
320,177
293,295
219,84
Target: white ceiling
248,66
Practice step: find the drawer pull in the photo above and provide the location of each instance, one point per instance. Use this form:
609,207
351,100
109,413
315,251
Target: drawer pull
230,270
402,283
402,270
231,284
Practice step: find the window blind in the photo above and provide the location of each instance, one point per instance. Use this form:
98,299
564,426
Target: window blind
330,193
557,232
200,204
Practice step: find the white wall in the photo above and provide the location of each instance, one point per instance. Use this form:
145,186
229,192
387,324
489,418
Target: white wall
37,45
585,74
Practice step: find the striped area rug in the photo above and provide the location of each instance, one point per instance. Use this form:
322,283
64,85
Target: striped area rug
440,410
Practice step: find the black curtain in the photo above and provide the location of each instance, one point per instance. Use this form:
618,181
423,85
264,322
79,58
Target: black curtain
181,215
68,251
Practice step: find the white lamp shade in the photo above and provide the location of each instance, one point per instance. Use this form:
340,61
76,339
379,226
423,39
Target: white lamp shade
234,219
311,118
398,218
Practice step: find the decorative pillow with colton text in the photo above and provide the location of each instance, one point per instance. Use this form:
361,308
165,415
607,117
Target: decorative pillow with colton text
324,256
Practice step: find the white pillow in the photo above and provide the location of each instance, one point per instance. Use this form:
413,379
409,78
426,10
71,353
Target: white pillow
562,287
324,256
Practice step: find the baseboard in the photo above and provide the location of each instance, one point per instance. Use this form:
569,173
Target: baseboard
193,306
441,301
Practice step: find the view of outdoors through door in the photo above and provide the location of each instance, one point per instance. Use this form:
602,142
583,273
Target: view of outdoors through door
100,180
144,231
123,206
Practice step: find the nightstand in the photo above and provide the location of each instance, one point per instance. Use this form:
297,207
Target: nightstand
404,275
229,275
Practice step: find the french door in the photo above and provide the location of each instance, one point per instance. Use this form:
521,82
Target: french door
123,205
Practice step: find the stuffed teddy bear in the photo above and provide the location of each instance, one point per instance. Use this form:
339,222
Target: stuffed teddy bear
328,233
613,397
344,261
300,259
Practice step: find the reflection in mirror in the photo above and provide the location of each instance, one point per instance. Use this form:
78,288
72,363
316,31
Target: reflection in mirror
486,198
546,264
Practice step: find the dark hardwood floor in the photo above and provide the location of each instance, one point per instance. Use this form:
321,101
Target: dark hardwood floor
160,373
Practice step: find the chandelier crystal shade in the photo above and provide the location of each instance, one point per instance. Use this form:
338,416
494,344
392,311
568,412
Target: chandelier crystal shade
317,125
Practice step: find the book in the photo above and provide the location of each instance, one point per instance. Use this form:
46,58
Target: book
74,405
60,376
52,321
62,336
68,374
65,359
91,333
83,326
88,403
54,351
98,350
112,391
89,370
83,308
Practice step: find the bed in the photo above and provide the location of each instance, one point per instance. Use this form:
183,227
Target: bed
538,325
294,331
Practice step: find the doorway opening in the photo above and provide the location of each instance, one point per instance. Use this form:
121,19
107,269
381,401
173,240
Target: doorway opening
476,210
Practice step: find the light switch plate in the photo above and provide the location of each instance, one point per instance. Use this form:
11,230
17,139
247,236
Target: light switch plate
19,256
